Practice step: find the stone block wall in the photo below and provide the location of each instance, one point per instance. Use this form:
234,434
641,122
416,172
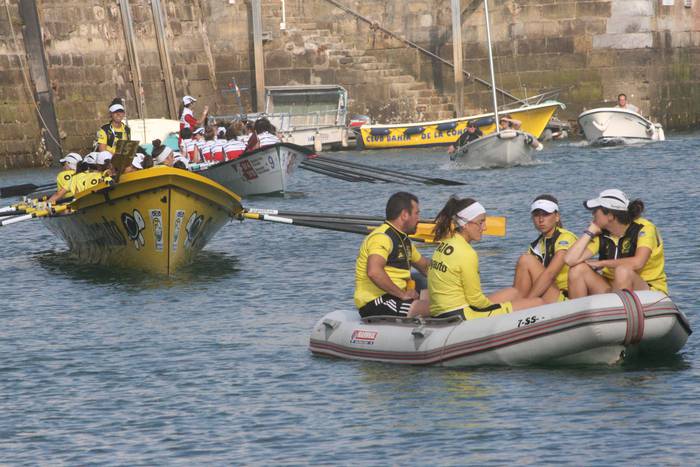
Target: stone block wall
590,49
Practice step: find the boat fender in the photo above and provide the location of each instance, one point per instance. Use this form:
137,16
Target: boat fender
508,134
420,332
414,130
447,126
379,131
486,121
635,316
331,324
318,145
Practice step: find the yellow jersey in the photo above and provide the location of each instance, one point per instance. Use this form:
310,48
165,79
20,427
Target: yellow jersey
545,248
640,233
396,248
453,278
108,135
63,181
85,180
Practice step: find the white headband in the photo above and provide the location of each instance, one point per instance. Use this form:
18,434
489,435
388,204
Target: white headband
469,213
164,155
544,205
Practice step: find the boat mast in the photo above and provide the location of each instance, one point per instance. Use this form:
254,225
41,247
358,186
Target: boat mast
493,78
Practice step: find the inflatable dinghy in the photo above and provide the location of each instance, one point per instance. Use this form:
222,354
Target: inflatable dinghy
600,329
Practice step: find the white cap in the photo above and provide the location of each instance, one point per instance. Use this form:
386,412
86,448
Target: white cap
160,158
91,158
72,159
137,161
198,131
103,157
544,205
181,158
188,100
116,108
609,199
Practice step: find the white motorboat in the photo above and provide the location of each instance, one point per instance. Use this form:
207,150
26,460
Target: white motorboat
263,171
600,329
613,125
506,148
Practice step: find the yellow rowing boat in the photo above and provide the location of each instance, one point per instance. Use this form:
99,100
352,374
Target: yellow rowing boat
154,219
534,119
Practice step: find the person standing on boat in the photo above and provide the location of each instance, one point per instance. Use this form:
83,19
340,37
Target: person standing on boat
187,119
623,104
629,248
469,135
506,122
542,272
454,283
383,267
115,130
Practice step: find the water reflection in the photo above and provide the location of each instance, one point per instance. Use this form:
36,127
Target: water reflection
207,268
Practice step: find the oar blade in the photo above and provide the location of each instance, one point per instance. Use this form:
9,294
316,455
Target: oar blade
17,190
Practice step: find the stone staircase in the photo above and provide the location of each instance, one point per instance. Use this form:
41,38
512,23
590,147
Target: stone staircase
376,87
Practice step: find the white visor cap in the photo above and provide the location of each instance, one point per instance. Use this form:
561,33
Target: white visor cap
137,161
160,158
91,158
103,157
116,108
544,205
72,159
609,199
187,100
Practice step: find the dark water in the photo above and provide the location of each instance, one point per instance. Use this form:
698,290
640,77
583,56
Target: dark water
211,366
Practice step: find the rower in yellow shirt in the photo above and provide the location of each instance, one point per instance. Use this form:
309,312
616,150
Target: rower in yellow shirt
63,179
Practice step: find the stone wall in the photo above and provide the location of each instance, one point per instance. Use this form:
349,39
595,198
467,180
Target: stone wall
590,49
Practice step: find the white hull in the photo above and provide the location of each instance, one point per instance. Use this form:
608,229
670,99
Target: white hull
263,171
601,329
610,125
504,149
148,129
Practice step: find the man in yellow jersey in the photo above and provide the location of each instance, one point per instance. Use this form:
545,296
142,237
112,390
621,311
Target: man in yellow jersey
383,268
115,130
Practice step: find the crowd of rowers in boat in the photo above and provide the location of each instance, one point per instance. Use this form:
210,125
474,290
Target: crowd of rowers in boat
557,265
197,144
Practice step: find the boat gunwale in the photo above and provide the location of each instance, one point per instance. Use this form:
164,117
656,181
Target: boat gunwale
617,110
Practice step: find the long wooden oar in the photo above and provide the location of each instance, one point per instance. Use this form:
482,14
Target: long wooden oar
334,174
495,225
24,189
432,180
350,171
34,214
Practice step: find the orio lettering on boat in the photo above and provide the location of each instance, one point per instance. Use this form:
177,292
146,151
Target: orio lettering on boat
105,233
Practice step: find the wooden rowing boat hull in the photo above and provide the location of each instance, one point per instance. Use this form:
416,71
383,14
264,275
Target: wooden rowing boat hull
154,220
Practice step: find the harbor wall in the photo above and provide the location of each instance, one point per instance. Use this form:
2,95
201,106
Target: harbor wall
590,49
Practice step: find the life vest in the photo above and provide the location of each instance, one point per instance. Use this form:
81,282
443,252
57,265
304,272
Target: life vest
400,256
109,131
626,245
545,256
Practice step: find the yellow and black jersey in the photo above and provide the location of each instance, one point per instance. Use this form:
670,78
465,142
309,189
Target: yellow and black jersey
640,233
63,181
545,248
398,251
108,135
85,180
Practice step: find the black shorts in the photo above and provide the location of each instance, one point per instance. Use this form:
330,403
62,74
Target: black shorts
386,305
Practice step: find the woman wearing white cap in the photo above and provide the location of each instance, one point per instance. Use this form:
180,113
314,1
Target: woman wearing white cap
187,119
542,272
70,165
115,130
454,283
629,248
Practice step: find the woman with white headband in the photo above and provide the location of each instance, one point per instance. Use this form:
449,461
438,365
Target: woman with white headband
162,155
454,283
115,130
542,272
629,248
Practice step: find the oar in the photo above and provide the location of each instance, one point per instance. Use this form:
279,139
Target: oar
34,215
495,225
438,181
21,190
334,174
351,171
12,213
318,225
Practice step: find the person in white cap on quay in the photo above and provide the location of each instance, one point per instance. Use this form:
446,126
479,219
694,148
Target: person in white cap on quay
187,119
115,130
542,272
454,281
629,248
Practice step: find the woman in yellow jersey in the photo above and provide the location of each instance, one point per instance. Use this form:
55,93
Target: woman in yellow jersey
453,278
70,165
542,272
630,250
89,174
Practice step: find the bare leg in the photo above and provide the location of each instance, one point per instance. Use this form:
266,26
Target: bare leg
527,270
420,307
584,281
627,278
523,303
551,295
504,295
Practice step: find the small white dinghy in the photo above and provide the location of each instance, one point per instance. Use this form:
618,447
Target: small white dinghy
607,126
263,171
600,329
506,148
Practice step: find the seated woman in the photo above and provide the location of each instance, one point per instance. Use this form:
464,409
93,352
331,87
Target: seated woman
629,248
265,135
542,272
70,165
453,277
162,155
234,147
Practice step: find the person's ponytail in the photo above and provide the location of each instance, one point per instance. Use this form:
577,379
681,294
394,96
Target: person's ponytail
635,209
444,221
